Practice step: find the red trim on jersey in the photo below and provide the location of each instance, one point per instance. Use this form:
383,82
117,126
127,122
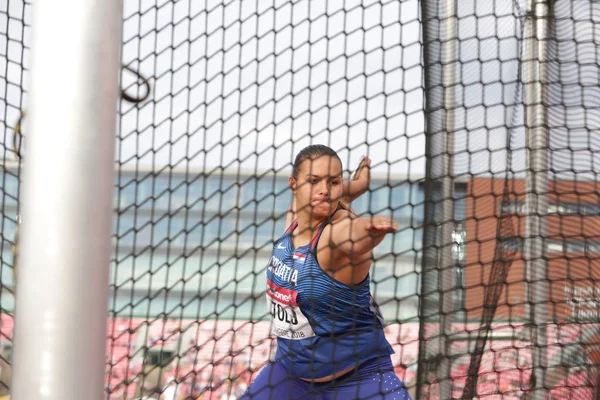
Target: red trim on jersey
282,295
314,240
292,226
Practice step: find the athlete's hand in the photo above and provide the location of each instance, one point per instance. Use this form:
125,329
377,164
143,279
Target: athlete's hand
359,182
363,172
381,225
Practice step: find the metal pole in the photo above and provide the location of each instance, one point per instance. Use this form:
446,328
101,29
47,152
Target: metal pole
62,291
536,198
440,55
449,61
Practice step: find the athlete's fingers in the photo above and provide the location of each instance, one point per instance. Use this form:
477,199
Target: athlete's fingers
390,226
364,168
362,171
387,228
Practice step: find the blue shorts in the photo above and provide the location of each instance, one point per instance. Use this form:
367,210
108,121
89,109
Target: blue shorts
372,380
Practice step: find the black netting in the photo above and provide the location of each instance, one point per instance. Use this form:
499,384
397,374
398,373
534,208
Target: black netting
489,285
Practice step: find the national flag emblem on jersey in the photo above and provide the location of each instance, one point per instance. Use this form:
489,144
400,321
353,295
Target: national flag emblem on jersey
299,257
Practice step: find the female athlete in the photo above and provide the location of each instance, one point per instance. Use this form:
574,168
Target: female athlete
330,339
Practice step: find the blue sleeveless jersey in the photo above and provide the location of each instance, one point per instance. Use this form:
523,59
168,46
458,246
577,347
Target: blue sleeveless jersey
322,325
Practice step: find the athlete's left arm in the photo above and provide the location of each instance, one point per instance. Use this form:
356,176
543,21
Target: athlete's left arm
356,236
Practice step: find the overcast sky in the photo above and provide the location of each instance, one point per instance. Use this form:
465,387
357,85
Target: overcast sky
247,83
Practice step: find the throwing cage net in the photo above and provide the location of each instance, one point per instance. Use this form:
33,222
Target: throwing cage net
482,123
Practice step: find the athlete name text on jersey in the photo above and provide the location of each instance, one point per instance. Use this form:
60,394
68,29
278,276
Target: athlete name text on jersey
282,271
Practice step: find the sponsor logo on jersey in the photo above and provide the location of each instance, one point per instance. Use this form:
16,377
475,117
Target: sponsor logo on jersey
282,295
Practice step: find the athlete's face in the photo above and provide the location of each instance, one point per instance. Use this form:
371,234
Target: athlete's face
318,186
